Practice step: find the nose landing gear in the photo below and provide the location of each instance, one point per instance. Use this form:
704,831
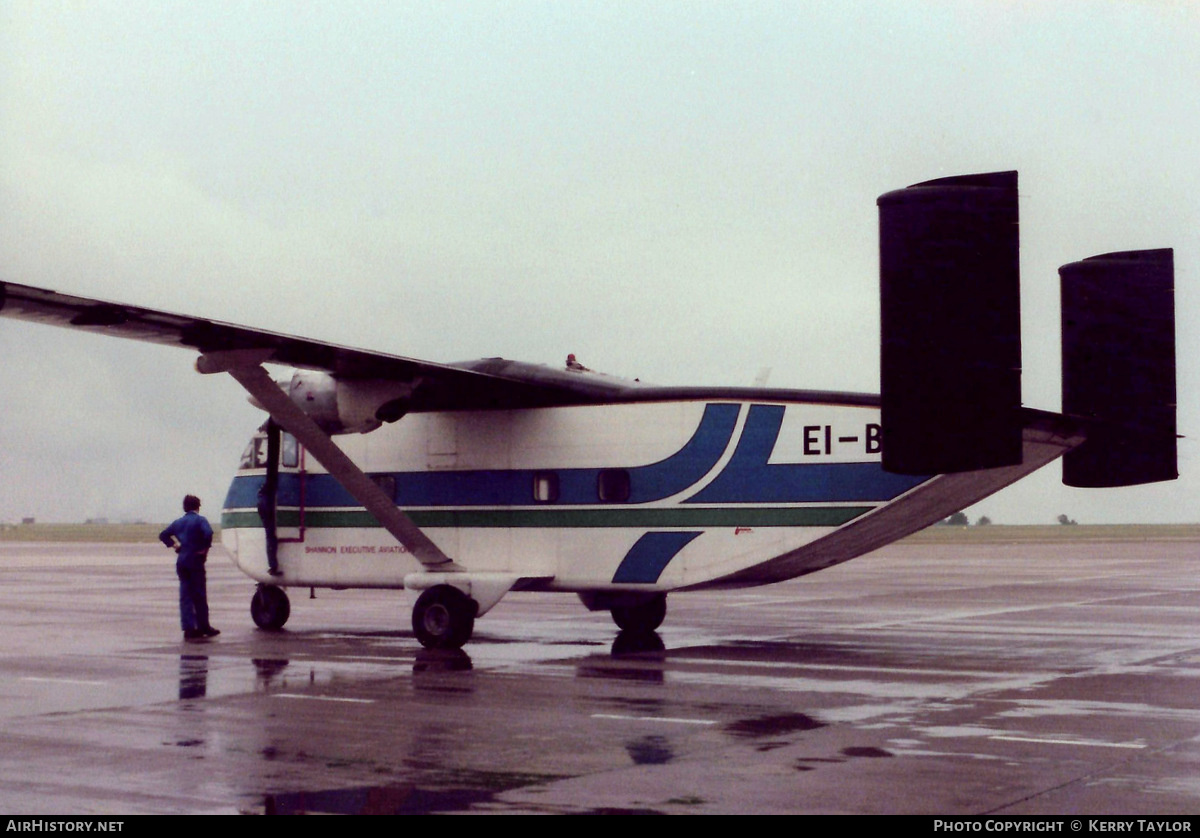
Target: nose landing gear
269,607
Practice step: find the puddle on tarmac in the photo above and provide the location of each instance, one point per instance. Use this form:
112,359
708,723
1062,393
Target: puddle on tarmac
193,677
866,752
773,725
441,660
641,705
402,798
616,811
606,667
650,750
810,763
378,800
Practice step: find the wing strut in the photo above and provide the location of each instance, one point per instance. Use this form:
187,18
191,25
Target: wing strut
283,410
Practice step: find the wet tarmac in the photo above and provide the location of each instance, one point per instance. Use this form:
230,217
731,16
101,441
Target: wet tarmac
936,679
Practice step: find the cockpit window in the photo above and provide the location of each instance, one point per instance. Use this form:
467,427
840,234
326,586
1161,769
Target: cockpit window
254,453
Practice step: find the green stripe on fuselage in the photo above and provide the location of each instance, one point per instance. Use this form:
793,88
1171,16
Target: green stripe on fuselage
694,518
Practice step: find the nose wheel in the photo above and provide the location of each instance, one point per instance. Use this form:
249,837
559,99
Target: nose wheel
444,617
269,607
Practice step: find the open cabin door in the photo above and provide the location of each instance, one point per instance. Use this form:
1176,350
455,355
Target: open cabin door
292,480
281,494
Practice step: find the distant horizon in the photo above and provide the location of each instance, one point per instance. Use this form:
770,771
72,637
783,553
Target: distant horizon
972,525
686,195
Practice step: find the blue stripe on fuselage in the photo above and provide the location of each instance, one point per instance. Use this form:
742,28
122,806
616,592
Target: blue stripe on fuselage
243,491
647,559
515,487
748,478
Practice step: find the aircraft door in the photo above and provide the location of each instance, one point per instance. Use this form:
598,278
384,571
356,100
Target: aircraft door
290,496
281,498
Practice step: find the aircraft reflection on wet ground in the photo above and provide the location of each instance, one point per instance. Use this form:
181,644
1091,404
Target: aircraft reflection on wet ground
938,679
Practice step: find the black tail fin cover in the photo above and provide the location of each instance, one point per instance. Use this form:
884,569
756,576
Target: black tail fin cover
1118,328
951,325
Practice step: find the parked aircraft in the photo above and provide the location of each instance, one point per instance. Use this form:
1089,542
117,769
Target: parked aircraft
467,481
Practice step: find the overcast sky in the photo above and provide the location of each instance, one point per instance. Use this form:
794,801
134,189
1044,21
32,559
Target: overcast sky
683,192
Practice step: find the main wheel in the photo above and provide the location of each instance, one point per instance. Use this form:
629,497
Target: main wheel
444,617
644,617
269,607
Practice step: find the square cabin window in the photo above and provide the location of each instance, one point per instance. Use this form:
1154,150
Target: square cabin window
613,485
545,486
289,450
387,483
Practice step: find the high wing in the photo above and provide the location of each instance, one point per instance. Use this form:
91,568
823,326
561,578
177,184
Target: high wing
487,384
241,351
484,384
478,385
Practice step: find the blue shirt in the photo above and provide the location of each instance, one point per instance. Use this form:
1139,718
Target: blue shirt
195,537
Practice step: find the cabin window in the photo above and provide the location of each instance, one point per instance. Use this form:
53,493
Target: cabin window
545,486
613,485
387,483
289,451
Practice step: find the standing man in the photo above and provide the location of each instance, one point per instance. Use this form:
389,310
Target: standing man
194,536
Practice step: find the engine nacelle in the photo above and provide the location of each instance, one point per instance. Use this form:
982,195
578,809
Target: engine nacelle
348,406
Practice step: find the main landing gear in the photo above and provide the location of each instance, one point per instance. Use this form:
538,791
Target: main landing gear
641,617
444,617
269,607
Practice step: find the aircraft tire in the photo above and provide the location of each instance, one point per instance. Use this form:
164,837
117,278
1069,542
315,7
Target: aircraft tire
444,617
643,617
269,607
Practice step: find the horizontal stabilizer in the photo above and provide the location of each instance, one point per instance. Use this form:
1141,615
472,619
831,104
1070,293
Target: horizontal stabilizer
951,325
1118,330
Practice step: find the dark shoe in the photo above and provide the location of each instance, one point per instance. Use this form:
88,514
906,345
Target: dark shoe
209,632
193,634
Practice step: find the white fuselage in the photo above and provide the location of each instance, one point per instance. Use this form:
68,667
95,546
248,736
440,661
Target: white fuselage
649,496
